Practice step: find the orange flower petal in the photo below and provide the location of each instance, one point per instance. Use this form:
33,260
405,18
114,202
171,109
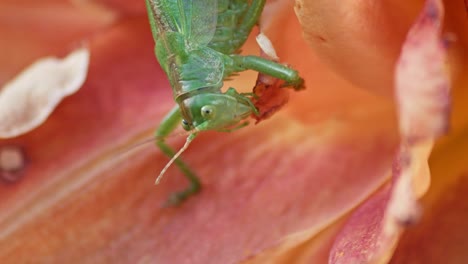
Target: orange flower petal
31,32
359,240
440,236
371,232
123,7
423,89
423,96
88,205
360,40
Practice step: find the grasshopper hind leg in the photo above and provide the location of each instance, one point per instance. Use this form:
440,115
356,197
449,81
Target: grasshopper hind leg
169,123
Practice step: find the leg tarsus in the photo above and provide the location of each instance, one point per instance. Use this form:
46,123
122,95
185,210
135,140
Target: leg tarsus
177,198
296,85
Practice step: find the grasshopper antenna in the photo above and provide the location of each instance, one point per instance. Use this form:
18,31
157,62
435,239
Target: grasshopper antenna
186,145
150,140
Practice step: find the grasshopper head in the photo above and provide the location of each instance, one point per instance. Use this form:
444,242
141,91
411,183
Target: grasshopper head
212,111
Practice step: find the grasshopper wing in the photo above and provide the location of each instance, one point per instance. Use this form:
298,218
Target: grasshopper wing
199,26
204,68
199,18
195,19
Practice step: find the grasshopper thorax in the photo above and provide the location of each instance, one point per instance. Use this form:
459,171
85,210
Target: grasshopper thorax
213,111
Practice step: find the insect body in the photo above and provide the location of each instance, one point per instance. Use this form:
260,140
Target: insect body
197,44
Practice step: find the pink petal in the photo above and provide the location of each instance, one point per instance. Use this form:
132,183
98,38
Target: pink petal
422,81
78,202
359,240
423,96
123,7
422,88
441,235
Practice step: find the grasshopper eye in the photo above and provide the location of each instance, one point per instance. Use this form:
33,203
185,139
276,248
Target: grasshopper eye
207,111
185,125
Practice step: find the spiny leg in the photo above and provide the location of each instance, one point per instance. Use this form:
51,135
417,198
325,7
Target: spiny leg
277,70
274,69
169,124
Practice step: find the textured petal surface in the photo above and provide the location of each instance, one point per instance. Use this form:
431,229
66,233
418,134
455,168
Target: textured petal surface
412,174
122,7
359,240
360,40
32,30
422,81
423,98
87,205
441,235
279,192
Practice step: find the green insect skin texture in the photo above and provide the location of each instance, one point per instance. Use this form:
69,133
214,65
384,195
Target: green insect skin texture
197,44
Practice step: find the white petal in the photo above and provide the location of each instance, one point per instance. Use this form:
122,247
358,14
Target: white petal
28,99
266,46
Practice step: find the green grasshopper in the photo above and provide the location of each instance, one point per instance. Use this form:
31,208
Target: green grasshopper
197,43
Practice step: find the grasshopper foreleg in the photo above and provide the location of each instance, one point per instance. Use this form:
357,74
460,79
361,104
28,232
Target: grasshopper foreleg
169,124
